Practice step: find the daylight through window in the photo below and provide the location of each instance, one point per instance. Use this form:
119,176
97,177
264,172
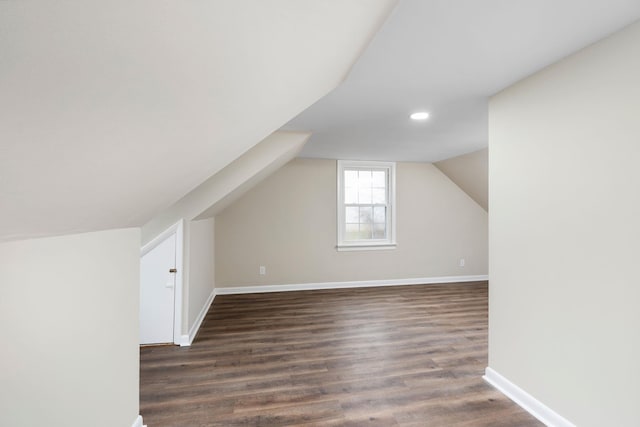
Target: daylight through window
365,204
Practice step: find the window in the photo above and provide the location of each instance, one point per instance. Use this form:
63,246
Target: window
366,205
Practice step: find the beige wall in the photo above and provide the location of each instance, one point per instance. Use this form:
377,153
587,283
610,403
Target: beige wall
201,267
69,325
470,172
288,224
564,149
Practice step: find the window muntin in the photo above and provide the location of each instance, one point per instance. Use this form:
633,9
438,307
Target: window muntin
365,208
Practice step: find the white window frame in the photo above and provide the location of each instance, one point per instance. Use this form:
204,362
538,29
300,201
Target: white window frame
367,244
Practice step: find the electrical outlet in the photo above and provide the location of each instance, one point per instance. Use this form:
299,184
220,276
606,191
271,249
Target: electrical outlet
461,264
263,270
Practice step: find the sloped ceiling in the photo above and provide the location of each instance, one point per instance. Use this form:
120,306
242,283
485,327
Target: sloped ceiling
111,111
448,57
217,192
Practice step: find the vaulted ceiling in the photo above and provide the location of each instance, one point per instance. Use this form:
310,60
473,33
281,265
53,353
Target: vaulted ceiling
448,57
111,111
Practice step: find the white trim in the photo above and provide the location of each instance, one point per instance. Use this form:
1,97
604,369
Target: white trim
368,247
184,341
160,238
345,285
187,340
138,422
390,241
178,229
527,402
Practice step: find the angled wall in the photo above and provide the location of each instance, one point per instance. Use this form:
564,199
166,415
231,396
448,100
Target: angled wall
220,189
565,234
471,173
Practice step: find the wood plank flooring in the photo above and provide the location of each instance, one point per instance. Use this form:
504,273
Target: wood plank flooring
393,356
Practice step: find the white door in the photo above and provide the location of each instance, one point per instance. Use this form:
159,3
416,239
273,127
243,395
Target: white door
157,284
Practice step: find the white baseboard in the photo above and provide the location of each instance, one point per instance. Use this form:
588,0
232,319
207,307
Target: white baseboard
138,422
186,340
527,402
343,285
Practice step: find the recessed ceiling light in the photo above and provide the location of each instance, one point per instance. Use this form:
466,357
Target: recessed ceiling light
420,115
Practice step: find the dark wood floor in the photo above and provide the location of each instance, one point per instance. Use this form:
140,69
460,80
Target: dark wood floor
395,356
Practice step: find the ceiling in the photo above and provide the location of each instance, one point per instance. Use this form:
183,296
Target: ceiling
447,57
111,111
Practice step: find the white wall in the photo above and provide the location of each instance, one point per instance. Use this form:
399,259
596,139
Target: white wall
69,325
201,267
564,156
288,224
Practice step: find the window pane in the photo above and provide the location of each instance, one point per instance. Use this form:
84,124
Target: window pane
366,215
366,203
365,231
350,178
379,179
364,179
350,195
379,231
352,215
364,196
379,196
351,232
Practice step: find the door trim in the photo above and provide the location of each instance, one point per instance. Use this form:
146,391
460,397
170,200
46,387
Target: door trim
178,230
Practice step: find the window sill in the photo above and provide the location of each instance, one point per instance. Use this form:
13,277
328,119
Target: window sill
366,247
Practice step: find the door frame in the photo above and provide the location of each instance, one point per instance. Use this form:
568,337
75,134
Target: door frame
178,230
